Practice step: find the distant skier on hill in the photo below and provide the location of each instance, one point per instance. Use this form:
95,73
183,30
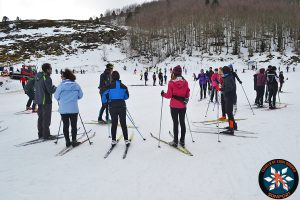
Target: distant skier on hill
154,78
281,80
160,78
146,77
178,92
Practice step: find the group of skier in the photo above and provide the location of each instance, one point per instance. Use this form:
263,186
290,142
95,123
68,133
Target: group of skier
266,82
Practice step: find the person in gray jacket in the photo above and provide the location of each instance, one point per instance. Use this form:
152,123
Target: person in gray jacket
43,97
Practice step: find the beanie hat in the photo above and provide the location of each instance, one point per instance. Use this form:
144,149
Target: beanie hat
226,70
115,75
109,66
177,70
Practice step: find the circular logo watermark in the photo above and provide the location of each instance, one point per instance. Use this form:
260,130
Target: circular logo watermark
278,179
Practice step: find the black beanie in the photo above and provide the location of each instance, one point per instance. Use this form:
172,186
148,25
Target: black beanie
115,75
226,70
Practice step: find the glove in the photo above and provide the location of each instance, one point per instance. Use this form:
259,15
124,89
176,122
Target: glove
186,100
162,93
241,82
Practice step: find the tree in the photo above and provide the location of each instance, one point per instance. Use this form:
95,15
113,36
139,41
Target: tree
101,16
18,19
207,2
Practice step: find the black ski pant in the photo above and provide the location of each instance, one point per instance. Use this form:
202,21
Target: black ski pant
260,95
214,92
281,84
203,90
272,95
229,102
154,81
223,105
178,113
30,100
67,118
103,108
267,93
118,113
44,120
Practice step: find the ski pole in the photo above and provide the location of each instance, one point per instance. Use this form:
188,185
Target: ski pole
279,98
108,123
209,102
133,123
193,90
247,99
218,123
189,127
162,103
214,106
58,132
85,130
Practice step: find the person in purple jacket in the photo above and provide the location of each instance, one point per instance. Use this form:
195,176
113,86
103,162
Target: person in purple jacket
203,79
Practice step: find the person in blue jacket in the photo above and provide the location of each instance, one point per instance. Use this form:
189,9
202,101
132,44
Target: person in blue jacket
67,94
115,95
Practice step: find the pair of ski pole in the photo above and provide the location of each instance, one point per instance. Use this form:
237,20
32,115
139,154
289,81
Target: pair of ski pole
161,109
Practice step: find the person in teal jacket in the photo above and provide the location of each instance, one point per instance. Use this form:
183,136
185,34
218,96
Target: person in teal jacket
67,94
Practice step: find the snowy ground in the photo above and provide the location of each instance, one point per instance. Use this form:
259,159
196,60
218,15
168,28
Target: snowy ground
227,170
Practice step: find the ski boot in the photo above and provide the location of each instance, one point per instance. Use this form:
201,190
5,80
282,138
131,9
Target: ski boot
223,118
173,144
182,144
113,143
127,143
68,143
229,131
75,143
101,121
234,127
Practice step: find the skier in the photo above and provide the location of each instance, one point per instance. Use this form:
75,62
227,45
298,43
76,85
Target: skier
141,74
154,78
255,87
115,95
235,77
215,81
165,77
203,79
178,92
287,69
134,72
260,86
160,78
272,81
105,79
281,80
209,74
194,77
294,69
228,90
29,90
56,71
43,98
67,95
23,80
267,88
146,77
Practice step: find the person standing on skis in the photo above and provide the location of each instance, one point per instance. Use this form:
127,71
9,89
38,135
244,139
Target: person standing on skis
146,76
215,81
178,92
203,79
281,80
105,79
260,87
29,90
115,95
272,81
228,89
209,74
67,94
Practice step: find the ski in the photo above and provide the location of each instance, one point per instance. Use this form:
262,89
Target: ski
184,148
220,121
179,149
224,128
82,135
36,141
68,149
3,129
277,107
127,147
215,132
112,147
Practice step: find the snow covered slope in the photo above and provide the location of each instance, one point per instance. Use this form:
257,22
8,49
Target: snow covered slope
227,170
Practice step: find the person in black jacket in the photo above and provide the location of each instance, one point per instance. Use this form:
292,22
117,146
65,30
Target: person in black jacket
209,74
29,90
105,79
228,90
146,76
43,97
272,82
281,80
115,95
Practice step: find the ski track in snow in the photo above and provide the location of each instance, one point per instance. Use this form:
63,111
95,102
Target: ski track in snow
227,170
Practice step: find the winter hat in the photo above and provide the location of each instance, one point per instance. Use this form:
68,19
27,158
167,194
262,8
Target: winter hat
109,66
274,68
226,70
115,75
177,70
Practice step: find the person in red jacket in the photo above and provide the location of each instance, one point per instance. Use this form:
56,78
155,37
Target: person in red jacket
178,92
23,80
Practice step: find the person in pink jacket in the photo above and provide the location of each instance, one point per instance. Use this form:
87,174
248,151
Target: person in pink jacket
178,92
215,81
